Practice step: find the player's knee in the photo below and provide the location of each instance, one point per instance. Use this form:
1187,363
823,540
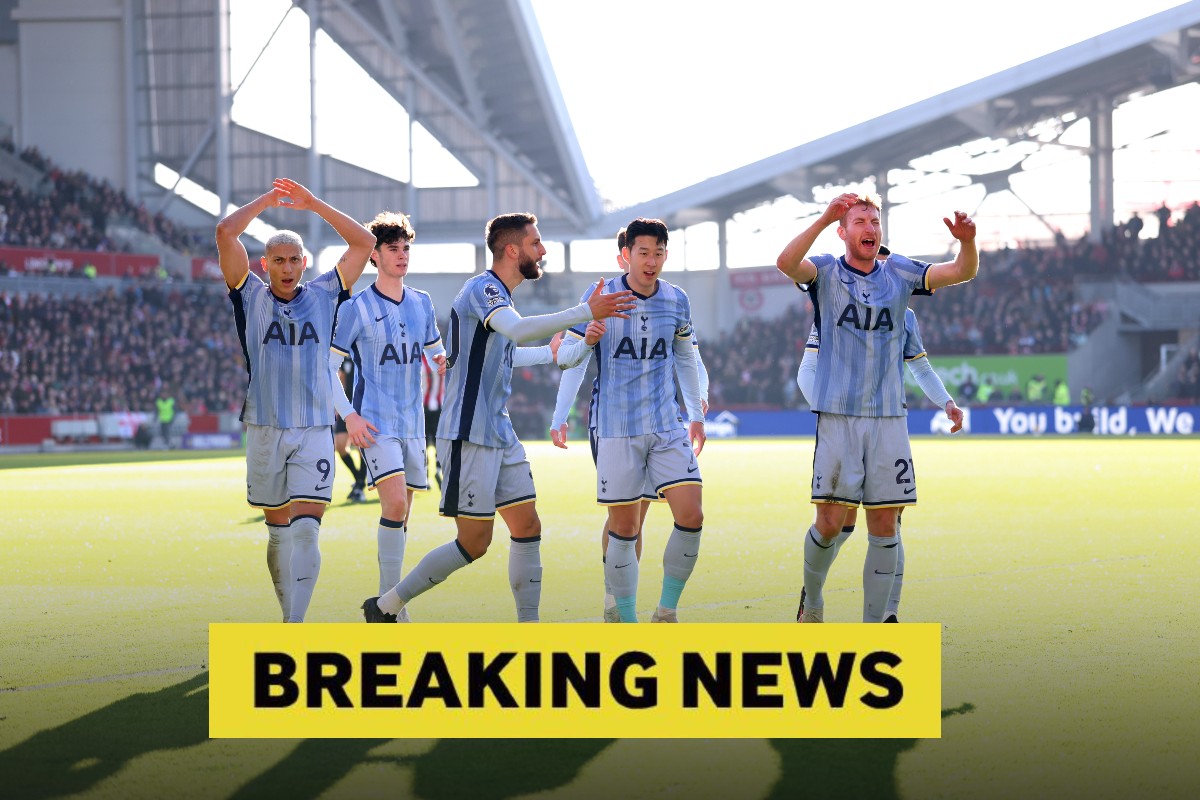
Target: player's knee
691,518
394,509
529,530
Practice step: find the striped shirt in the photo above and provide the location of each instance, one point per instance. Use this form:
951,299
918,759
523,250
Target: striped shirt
387,340
634,391
857,315
286,345
479,367
914,348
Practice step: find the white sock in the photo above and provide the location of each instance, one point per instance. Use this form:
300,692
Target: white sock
391,538
306,564
893,605
818,557
879,571
525,576
279,563
435,567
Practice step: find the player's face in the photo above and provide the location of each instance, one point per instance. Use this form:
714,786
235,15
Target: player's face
862,232
646,256
285,265
529,259
392,259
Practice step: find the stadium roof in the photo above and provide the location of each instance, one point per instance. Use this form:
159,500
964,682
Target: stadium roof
474,73
1153,54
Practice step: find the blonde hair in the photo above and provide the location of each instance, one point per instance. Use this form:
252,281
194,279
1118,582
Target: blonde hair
283,237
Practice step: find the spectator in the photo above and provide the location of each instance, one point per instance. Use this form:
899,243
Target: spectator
1035,389
967,390
1062,395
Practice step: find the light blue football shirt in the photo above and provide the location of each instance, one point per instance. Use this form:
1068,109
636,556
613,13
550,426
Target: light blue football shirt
634,392
478,367
286,345
387,340
859,316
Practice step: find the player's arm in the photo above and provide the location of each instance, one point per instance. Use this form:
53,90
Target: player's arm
360,241
568,389
933,387
231,253
507,322
358,430
965,265
703,372
435,349
806,376
575,350
533,356
792,261
689,385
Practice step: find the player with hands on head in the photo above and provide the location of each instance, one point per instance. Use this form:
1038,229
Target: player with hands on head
285,328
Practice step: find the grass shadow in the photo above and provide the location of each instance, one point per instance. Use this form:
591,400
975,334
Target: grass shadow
74,757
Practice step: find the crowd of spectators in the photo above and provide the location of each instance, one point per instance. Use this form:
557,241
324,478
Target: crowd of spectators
115,350
72,210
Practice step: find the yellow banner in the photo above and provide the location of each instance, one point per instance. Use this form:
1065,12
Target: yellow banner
574,680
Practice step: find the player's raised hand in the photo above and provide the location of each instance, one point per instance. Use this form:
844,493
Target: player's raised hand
956,416
696,436
297,195
559,436
610,305
439,361
358,431
838,207
595,329
962,228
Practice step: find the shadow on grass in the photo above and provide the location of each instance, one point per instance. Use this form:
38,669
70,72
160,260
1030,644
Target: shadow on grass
479,769
74,757
847,767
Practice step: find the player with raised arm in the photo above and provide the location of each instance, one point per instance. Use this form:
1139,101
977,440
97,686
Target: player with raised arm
568,389
285,330
931,384
389,330
484,467
862,453
641,440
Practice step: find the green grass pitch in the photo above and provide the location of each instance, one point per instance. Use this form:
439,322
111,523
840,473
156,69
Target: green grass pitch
1065,574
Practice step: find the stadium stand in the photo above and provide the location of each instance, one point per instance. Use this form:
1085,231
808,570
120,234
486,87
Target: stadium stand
112,349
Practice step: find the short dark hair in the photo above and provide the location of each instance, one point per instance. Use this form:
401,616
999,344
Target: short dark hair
646,227
390,227
507,229
621,239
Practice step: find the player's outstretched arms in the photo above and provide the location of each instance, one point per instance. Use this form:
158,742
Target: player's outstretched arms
232,255
965,266
360,240
792,261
